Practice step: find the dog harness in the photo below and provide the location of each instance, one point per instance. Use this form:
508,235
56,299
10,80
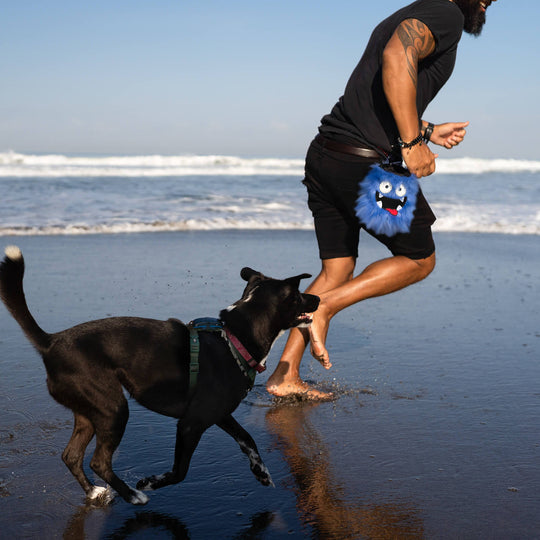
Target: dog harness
247,364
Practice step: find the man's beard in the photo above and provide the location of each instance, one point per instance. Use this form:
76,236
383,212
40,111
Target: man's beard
474,16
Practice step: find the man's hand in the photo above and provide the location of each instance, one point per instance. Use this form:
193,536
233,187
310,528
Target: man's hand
420,160
449,134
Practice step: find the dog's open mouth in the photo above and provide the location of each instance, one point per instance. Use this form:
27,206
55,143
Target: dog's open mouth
304,319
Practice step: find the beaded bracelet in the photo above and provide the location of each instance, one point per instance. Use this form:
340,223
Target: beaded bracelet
414,142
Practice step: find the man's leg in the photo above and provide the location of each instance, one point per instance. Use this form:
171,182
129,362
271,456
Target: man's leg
338,290
380,278
286,378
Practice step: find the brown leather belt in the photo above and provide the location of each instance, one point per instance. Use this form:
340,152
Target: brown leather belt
346,148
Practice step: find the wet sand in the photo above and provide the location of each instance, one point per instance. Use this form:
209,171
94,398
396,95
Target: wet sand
435,432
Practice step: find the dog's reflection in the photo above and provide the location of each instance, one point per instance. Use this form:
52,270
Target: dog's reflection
146,524
320,498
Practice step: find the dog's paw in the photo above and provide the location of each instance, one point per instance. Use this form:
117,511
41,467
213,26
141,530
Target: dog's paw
138,497
152,482
158,481
146,483
100,496
262,474
266,480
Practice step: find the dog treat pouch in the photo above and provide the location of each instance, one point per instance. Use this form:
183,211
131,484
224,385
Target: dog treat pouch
387,200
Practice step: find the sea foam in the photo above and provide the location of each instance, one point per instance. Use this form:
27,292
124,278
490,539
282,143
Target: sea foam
18,165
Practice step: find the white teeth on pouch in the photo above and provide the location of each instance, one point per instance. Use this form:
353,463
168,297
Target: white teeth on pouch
399,207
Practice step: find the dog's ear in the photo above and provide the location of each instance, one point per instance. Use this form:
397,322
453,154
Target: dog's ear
296,279
248,273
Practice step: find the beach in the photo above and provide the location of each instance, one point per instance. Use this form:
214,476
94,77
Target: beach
434,432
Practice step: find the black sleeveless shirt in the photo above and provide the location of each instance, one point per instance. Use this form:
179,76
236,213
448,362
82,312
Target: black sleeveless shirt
362,116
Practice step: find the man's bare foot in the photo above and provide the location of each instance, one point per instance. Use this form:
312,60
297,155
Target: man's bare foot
317,334
296,388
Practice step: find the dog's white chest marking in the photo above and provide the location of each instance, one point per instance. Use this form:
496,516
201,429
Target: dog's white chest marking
263,361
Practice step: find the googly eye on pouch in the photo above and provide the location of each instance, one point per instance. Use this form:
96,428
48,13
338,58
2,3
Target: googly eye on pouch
386,201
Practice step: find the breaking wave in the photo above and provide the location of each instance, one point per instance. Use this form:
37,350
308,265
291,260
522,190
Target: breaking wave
16,165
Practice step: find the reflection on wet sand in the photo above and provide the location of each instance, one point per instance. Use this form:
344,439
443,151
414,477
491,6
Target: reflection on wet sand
323,503
145,524
135,525
321,499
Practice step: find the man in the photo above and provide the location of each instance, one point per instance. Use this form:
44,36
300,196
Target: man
408,59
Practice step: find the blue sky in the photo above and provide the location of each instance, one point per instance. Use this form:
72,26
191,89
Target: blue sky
248,78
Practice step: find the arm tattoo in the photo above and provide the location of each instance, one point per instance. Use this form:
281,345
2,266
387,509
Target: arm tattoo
418,42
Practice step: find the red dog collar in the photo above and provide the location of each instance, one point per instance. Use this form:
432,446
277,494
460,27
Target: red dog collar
243,352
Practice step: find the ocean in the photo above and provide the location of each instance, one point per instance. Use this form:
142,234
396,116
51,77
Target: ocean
73,195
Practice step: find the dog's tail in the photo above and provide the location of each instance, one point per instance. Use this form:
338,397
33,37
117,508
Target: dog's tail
12,294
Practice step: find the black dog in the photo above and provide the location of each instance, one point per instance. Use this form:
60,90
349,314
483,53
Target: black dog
88,365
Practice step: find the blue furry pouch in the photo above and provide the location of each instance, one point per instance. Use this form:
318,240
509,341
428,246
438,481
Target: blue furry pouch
387,200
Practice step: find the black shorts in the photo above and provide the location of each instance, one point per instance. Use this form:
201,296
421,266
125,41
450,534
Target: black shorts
332,180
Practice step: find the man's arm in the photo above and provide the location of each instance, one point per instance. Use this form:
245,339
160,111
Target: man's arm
448,135
411,42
